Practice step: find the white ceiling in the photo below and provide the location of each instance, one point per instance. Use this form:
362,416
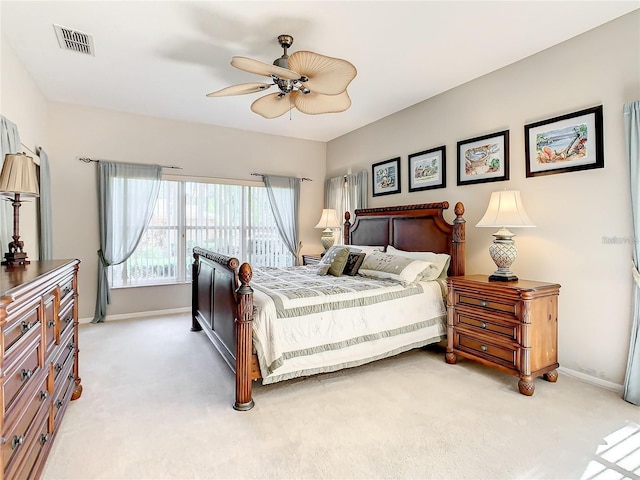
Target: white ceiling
161,58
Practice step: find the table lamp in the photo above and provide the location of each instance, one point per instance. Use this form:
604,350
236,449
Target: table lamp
328,221
505,211
18,177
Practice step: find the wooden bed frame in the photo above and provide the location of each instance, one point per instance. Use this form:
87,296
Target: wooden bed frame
222,298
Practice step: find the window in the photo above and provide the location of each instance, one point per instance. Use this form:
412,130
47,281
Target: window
234,220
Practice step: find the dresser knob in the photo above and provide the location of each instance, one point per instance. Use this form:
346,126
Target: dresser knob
71,346
59,403
483,348
43,395
51,323
483,325
25,374
44,438
58,367
483,303
68,319
24,327
17,441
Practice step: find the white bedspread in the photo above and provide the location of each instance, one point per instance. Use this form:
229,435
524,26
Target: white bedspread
306,324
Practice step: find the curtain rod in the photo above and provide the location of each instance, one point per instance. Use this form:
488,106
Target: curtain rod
89,160
264,174
31,151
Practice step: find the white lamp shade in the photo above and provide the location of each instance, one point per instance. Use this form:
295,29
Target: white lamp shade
19,175
505,210
329,219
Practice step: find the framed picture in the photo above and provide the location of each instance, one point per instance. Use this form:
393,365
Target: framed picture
565,144
484,159
386,177
427,170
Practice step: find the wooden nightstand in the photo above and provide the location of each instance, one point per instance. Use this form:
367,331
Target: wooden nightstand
510,326
311,259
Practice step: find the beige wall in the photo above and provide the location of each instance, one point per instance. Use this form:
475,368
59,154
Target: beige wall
573,211
22,103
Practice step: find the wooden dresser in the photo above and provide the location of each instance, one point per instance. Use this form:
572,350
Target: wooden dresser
510,326
39,322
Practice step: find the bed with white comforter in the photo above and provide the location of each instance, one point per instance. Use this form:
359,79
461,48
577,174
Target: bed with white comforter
305,323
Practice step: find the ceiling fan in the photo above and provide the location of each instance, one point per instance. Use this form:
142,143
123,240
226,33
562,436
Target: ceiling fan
308,81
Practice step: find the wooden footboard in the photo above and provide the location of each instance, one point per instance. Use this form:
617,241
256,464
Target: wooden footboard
222,307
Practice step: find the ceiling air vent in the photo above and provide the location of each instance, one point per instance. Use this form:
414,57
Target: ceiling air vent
70,39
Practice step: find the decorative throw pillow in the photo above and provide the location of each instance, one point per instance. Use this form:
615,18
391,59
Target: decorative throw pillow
322,268
338,262
395,267
353,263
440,262
328,257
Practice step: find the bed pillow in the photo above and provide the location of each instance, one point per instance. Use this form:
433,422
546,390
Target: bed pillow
354,261
366,248
394,267
334,260
440,262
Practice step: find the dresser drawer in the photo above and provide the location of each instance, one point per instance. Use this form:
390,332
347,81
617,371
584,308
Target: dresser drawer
485,303
494,325
39,445
502,354
65,357
18,325
66,316
65,385
22,368
19,422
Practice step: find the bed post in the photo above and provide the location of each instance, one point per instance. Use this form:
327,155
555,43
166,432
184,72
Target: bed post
346,228
458,267
195,270
244,344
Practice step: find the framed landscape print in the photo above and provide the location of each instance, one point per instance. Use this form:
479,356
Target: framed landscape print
484,159
386,177
427,170
565,144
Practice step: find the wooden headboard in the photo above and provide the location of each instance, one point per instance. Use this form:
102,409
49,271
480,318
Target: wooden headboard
418,228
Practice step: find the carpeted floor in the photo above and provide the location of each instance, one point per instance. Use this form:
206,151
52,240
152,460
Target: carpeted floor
157,405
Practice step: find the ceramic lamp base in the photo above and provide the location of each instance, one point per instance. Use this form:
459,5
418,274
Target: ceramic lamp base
327,239
503,251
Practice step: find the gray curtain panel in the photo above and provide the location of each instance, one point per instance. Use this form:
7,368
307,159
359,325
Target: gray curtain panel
127,195
10,143
346,194
46,221
632,133
284,197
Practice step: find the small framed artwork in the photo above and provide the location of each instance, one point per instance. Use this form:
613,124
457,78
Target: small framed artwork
565,144
484,159
427,170
386,177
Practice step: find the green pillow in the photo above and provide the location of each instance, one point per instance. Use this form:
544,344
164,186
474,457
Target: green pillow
339,261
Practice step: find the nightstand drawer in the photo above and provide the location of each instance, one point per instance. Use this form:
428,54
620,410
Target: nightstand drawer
504,355
497,326
505,306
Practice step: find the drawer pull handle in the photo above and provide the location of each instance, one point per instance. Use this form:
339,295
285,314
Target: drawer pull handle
59,403
71,346
26,374
68,320
44,438
483,303
51,323
17,441
66,290
43,395
483,324
71,377
58,367
483,348
24,327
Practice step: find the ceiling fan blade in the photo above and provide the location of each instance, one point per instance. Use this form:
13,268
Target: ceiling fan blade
272,106
240,89
316,103
327,75
260,68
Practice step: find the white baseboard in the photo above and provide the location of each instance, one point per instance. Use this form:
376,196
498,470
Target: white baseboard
598,382
152,313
